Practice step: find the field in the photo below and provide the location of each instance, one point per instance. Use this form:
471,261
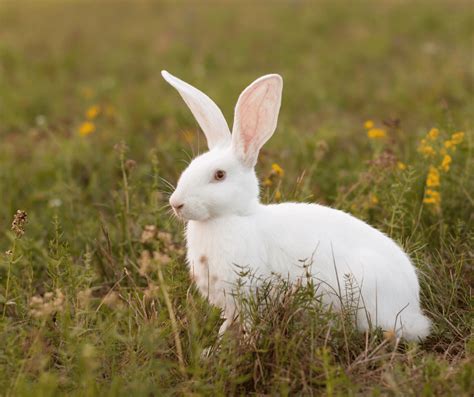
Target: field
377,120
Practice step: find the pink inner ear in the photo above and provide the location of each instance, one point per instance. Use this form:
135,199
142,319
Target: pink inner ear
252,110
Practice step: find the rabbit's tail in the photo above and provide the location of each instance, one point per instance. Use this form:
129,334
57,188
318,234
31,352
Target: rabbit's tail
415,326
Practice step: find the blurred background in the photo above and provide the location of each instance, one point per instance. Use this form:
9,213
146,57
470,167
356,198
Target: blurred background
77,77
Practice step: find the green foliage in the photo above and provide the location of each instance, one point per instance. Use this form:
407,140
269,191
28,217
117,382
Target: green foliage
95,297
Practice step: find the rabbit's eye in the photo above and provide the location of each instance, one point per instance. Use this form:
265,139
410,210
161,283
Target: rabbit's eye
219,175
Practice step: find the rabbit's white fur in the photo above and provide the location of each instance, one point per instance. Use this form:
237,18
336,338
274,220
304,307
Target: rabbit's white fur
228,226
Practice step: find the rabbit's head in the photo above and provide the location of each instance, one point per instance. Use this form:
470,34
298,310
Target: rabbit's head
222,181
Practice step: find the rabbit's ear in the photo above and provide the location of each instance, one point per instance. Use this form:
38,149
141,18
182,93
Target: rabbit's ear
256,115
207,113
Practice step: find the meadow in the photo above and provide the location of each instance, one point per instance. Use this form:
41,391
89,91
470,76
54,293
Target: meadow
377,118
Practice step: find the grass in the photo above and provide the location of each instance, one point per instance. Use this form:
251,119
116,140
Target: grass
95,298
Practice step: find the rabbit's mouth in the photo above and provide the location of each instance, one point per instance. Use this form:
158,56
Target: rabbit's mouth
177,213
193,212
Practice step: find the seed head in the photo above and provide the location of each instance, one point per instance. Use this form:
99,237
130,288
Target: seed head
19,221
130,164
148,234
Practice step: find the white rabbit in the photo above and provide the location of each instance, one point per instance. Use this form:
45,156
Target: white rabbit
218,196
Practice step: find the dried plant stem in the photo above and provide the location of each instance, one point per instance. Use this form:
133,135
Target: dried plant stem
126,194
7,287
174,324
125,183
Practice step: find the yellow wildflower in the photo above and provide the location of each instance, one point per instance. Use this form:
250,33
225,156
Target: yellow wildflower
375,133
430,200
277,170
401,166
277,195
374,200
457,137
92,112
369,124
432,180
86,128
267,182
432,197
428,151
449,144
433,134
445,164
425,149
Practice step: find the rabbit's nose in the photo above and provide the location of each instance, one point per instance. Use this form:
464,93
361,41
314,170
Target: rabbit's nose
177,205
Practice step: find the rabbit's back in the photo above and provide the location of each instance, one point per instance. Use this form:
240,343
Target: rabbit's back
339,249
312,232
